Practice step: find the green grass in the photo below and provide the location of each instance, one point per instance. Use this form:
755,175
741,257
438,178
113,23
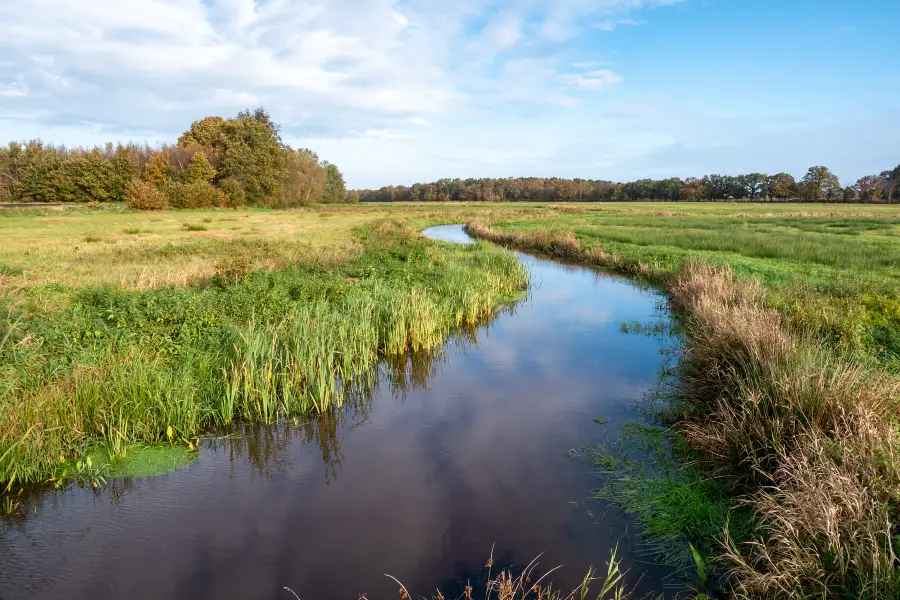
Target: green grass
104,366
151,460
148,250
643,472
835,269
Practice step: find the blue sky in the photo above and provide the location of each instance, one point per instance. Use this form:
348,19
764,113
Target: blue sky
413,90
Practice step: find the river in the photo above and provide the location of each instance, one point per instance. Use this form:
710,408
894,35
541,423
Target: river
470,451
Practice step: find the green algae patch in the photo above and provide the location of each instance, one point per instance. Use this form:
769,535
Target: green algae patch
151,461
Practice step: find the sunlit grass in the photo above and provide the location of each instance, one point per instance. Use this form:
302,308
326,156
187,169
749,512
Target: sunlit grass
117,368
832,268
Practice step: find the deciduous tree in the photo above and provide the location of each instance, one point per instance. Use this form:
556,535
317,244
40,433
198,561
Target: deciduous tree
891,184
869,188
820,183
305,181
335,191
782,185
753,185
200,169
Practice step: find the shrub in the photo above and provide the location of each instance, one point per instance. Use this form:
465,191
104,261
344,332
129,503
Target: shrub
196,194
231,270
234,196
146,196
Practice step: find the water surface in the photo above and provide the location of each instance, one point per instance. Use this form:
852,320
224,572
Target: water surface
468,450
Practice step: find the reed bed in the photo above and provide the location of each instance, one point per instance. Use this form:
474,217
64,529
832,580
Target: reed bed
803,435
806,437
116,368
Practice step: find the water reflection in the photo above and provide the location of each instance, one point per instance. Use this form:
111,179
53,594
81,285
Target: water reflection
445,454
262,447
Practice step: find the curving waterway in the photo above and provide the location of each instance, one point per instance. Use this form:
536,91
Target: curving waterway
452,454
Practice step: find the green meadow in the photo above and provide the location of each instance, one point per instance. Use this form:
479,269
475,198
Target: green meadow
162,335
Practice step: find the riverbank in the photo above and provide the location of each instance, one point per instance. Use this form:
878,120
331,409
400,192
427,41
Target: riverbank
797,426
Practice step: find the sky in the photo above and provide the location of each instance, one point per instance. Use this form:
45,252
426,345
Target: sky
396,92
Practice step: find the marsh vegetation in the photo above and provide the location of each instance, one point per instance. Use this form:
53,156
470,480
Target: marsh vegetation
788,391
103,365
124,330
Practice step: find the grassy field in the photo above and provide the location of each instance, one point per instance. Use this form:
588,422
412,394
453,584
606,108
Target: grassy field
204,318
787,393
832,268
77,247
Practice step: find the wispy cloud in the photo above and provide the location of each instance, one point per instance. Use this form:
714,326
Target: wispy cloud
611,24
592,80
144,69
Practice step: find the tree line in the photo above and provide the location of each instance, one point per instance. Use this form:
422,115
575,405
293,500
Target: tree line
216,162
818,185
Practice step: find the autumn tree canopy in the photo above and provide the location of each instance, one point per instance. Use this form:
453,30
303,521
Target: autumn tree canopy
217,161
819,184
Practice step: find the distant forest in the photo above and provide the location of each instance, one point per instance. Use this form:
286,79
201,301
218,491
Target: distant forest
216,162
818,185
230,162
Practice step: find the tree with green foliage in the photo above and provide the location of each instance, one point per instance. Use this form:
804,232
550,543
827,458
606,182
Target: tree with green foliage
891,191
820,183
156,171
335,191
200,169
87,177
753,185
10,161
39,174
254,155
206,133
782,185
125,170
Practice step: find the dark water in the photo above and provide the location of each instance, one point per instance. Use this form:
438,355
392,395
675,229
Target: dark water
467,451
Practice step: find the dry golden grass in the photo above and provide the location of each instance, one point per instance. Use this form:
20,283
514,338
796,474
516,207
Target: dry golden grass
142,250
808,437
529,585
77,248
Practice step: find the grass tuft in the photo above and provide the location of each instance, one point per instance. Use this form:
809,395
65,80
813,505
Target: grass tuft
507,585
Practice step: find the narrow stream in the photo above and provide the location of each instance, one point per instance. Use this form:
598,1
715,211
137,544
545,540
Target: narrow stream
469,451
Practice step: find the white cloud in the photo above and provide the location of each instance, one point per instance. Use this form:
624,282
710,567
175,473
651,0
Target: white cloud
13,90
386,134
497,36
399,18
592,80
611,24
80,72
